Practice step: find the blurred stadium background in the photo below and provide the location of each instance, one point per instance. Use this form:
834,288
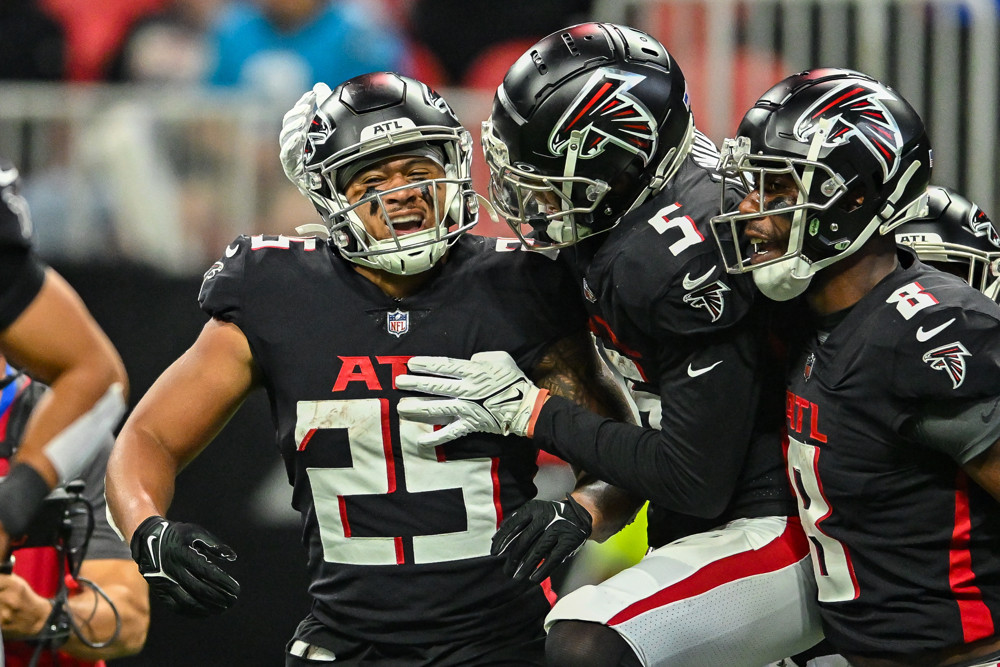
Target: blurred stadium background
139,177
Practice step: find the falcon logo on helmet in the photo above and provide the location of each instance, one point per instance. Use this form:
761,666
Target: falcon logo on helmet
319,131
857,113
981,225
710,298
605,113
949,358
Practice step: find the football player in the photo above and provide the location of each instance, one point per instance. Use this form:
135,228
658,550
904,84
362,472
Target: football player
97,610
892,392
958,237
592,146
47,330
398,535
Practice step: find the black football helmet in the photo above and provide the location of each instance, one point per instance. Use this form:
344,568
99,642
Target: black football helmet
587,124
958,237
860,158
367,119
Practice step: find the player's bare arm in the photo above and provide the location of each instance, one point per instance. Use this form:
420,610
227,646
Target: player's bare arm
79,368
179,415
572,369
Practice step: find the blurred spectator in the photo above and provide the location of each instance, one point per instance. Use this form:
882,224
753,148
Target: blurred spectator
281,47
168,46
94,29
33,46
457,31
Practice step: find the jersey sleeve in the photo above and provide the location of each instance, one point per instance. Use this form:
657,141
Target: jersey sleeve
950,354
700,298
21,272
691,463
944,370
221,294
553,308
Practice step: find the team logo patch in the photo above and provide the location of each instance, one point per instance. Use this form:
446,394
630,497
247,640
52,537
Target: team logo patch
710,297
397,322
607,114
949,358
858,114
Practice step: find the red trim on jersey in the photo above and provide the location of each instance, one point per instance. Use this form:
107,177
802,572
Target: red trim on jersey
343,516
495,476
390,461
398,542
594,322
785,550
306,439
977,622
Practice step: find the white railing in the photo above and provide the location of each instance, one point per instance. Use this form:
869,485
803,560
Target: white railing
165,177
941,55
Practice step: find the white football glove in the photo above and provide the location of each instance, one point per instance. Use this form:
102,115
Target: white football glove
487,394
294,128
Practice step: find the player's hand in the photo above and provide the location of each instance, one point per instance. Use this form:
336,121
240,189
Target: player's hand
22,611
540,536
487,393
180,561
294,128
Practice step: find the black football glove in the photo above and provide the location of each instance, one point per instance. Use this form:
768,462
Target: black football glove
540,535
180,563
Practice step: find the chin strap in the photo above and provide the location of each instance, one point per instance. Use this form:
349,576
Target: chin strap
665,170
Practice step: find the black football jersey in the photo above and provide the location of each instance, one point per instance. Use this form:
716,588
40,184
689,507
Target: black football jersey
21,273
684,333
906,548
398,534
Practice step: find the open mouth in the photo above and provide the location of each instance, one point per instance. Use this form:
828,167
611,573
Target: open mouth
407,224
763,250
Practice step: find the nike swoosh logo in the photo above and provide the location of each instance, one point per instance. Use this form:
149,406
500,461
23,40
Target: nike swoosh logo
232,250
690,283
154,552
701,371
924,336
8,176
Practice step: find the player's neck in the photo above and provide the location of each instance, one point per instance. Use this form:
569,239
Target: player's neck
394,285
845,283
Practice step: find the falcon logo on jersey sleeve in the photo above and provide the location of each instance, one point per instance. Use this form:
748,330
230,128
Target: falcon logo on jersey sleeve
857,114
397,322
949,358
607,114
710,298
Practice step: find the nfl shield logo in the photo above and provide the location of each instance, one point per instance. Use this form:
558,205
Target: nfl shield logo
397,322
